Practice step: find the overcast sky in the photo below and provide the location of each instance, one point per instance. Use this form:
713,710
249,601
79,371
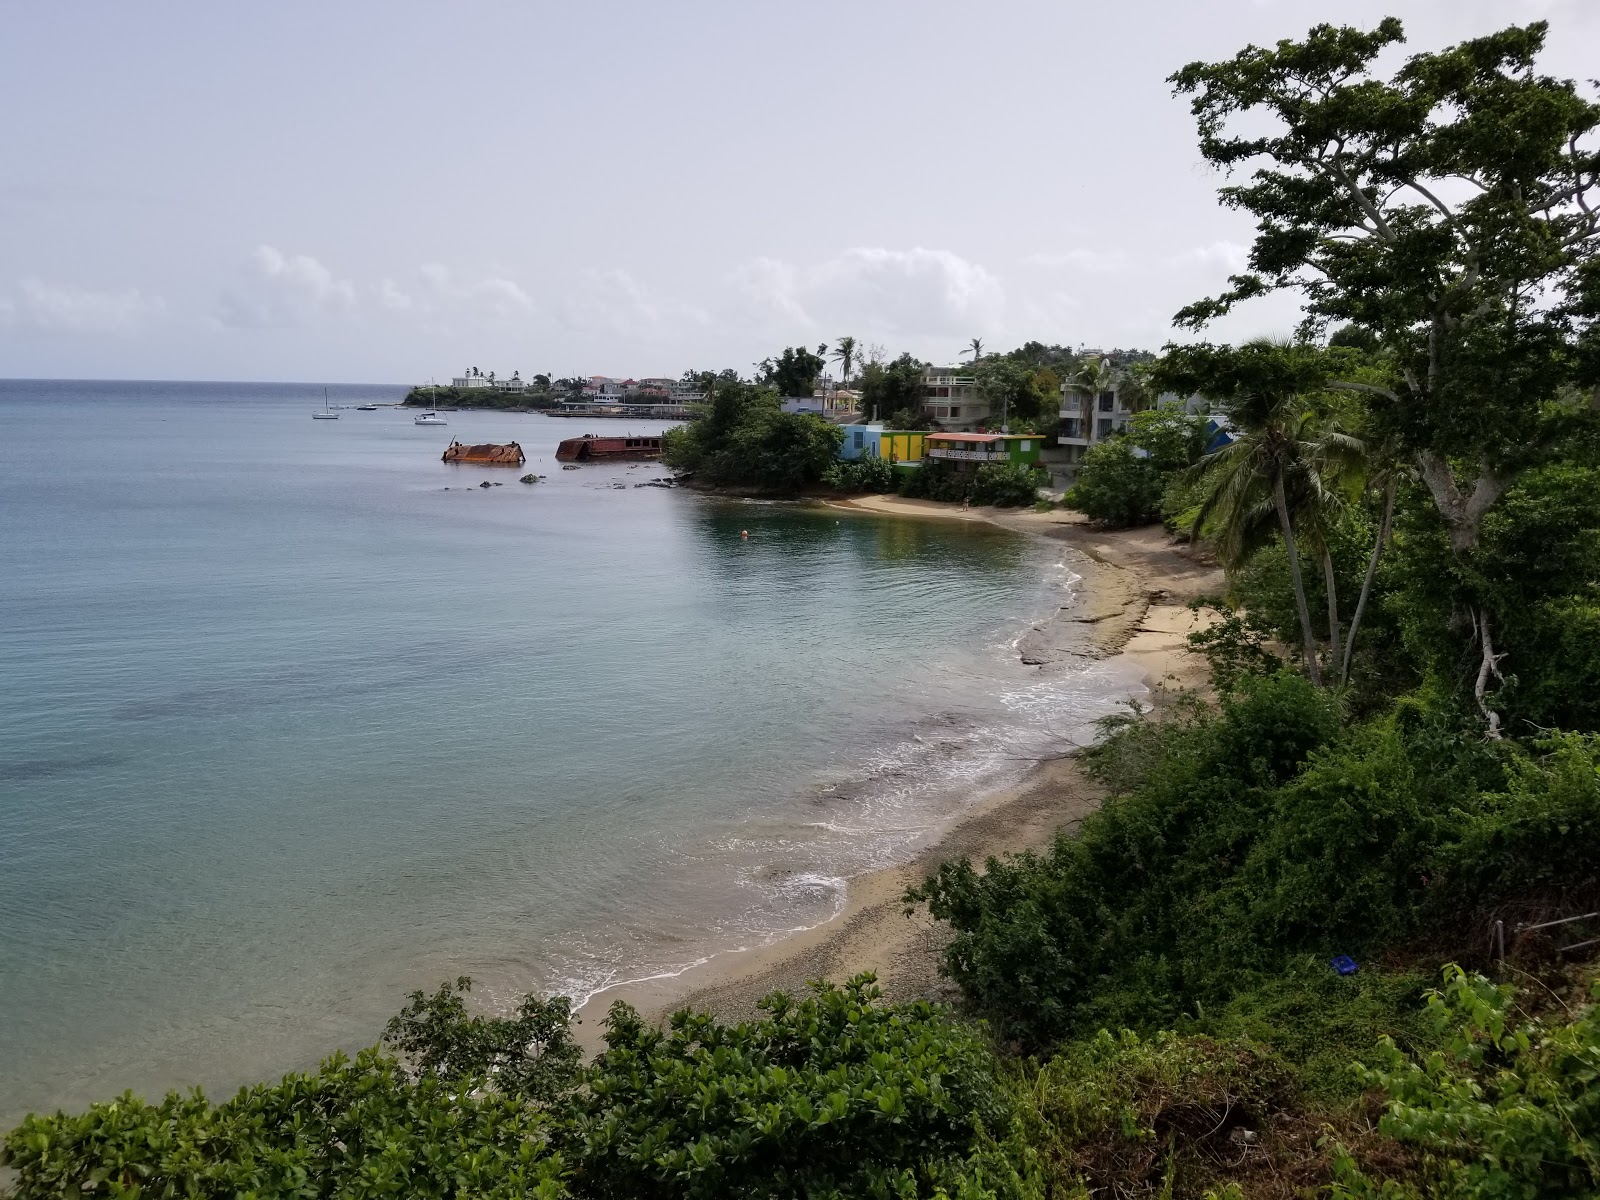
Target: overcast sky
379,190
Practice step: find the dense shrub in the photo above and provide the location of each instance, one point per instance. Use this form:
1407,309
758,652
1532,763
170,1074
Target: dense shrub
871,474
835,1094
746,439
1004,485
1096,931
1105,1116
1007,485
1507,1108
1116,486
361,1128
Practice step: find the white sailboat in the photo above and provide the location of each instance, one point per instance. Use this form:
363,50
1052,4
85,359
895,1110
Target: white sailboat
327,414
431,417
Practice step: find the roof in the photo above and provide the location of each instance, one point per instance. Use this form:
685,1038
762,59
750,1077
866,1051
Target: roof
982,438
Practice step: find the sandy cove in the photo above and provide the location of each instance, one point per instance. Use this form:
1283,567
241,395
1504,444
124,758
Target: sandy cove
1132,606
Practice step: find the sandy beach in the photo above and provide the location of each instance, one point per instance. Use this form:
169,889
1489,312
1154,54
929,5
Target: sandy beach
1131,605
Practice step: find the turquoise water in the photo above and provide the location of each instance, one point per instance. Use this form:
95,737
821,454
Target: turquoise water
295,718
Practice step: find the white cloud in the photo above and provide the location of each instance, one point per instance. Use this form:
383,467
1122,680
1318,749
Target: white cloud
68,308
613,302
879,291
1099,261
284,291
1231,256
494,299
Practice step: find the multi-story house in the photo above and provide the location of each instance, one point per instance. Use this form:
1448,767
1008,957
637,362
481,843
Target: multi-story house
952,399
473,378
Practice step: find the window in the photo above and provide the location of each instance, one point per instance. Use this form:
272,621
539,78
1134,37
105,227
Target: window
1107,399
860,439
1070,427
1105,427
1024,445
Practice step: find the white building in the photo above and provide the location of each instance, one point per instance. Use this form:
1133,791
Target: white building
952,399
473,378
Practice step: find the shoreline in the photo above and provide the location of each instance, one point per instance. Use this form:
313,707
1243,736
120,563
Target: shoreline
1130,608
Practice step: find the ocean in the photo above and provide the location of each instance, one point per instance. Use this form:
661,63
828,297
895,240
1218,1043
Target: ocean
295,718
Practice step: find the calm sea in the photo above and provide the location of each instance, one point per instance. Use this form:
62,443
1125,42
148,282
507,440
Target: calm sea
295,718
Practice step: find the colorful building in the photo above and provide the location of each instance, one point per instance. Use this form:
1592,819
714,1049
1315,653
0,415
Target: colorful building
972,450
902,447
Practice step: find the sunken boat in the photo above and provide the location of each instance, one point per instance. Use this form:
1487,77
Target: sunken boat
592,447
489,454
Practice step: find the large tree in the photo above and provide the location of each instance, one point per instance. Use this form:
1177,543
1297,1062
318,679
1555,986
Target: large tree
1449,210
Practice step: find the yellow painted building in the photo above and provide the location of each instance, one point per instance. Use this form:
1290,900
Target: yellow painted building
901,447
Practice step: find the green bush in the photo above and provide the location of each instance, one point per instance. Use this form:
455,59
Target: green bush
745,439
1116,486
1007,485
1507,1110
870,474
361,1128
1106,928
833,1095
1125,1116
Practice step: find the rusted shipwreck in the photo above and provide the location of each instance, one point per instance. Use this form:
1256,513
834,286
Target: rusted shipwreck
592,447
490,454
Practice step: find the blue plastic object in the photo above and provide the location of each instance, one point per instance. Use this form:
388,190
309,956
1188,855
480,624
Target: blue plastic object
1344,964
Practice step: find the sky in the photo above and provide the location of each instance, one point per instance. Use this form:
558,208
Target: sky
390,191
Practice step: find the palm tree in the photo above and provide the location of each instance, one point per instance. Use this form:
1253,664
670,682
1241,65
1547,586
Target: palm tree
845,354
1285,448
974,348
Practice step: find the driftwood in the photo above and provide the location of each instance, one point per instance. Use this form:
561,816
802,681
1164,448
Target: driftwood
489,454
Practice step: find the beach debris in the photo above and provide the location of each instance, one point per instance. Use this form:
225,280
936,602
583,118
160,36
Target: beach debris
1343,964
570,467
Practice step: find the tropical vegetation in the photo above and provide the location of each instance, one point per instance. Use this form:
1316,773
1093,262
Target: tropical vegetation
1307,945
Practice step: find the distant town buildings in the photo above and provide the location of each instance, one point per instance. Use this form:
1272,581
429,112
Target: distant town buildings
474,378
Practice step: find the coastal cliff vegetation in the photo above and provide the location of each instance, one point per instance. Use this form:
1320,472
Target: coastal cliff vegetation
1304,947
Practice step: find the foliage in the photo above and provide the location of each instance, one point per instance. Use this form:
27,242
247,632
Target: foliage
357,1129
1243,839
1116,486
746,439
834,1094
892,387
1007,485
1449,211
1172,438
1108,925
531,1054
1234,645
907,418
454,397
1506,1110
795,371
1004,485
1113,1114
1538,566
1011,389
866,474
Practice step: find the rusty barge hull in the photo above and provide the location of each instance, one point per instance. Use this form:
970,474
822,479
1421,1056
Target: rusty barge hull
490,454
604,448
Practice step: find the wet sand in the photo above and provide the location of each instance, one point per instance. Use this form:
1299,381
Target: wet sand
1131,606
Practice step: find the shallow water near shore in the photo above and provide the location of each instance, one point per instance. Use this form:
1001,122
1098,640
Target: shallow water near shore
295,718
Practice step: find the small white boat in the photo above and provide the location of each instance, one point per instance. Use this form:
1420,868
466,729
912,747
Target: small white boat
327,414
366,408
430,418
